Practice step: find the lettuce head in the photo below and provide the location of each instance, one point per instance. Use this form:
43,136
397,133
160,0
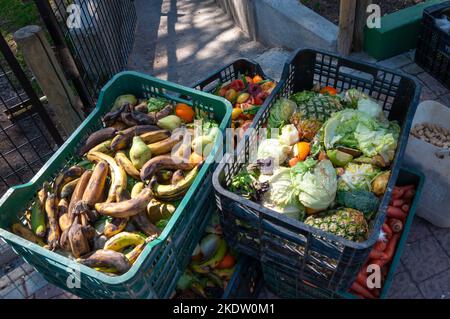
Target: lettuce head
357,177
315,183
362,130
281,196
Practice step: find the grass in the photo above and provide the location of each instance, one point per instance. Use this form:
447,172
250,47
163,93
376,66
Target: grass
15,14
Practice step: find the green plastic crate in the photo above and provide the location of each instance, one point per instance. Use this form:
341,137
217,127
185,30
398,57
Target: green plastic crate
285,287
158,268
407,176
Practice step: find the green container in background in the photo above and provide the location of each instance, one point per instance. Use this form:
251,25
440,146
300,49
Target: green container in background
399,32
157,270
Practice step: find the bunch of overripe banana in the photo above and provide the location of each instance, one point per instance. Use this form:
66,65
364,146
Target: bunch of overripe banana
211,267
125,188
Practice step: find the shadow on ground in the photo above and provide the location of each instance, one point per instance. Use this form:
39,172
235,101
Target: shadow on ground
183,41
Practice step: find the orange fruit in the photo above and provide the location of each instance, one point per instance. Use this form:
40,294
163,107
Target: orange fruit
303,150
328,90
195,159
257,79
185,112
227,262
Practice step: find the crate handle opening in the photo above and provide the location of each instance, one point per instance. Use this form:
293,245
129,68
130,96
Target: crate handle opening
356,73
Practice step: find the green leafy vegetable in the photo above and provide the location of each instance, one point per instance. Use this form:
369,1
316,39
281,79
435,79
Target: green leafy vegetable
156,104
247,185
357,177
281,195
371,108
303,167
352,96
316,186
303,97
359,130
252,110
281,112
361,200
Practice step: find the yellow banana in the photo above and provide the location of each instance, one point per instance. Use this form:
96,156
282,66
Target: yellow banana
68,189
96,186
126,208
118,174
155,136
122,159
164,146
107,259
137,189
174,191
51,208
27,234
67,176
123,240
104,147
115,226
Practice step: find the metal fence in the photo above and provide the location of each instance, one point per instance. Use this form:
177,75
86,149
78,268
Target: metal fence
27,135
100,36
100,41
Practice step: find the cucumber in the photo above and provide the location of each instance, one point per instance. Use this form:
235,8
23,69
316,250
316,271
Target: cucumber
38,220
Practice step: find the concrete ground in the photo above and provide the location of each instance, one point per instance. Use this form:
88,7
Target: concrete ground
185,40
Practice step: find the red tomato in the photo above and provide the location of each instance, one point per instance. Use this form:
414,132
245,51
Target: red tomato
257,101
238,85
227,262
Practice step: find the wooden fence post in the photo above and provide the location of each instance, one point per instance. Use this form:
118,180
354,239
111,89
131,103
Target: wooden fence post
346,26
360,23
41,60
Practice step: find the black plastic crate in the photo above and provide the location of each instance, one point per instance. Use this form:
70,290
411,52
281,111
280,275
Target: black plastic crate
247,280
433,48
305,253
231,72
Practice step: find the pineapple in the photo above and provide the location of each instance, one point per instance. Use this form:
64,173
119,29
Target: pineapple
320,107
307,128
345,222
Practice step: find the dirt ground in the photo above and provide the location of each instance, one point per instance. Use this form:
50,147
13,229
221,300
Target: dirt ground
330,8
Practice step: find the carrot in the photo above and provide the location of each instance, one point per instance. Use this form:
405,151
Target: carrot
397,193
398,202
395,212
409,194
322,156
384,271
387,230
406,187
376,254
390,249
379,262
362,277
396,225
293,161
405,208
380,245
376,292
359,289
